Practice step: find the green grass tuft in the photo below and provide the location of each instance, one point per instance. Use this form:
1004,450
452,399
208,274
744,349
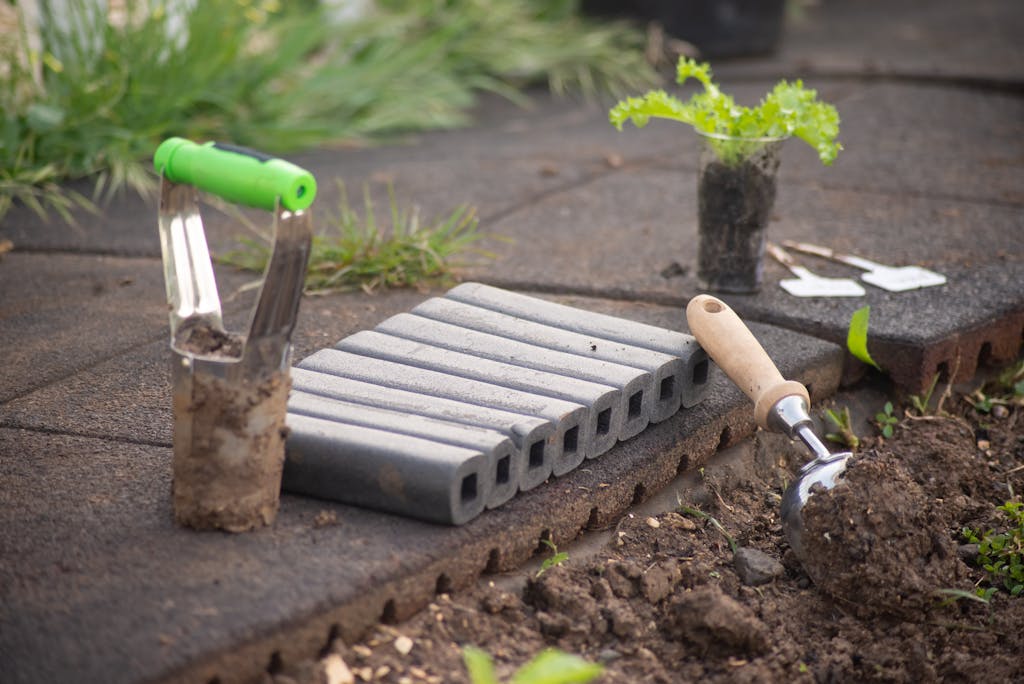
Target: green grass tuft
361,253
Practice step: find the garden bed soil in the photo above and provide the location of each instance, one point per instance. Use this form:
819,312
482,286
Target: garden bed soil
668,600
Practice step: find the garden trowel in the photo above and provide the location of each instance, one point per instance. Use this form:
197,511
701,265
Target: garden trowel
808,284
891,278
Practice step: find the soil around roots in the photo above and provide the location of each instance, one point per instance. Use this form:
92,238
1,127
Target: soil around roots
666,600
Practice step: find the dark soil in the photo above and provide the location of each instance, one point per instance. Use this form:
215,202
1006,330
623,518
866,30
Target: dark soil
734,207
668,601
200,338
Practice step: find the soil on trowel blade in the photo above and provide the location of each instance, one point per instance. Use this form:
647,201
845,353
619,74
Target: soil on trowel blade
203,339
229,452
873,542
669,600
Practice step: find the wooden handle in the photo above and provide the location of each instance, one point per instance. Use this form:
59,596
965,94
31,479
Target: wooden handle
731,345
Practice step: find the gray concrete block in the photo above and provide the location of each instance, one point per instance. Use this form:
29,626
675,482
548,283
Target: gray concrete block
504,460
564,450
672,342
385,471
529,434
637,387
668,371
601,431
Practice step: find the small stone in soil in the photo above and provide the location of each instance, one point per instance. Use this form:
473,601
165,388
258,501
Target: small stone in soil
755,567
403,645
676,521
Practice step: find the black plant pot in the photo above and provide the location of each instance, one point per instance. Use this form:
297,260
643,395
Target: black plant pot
719,28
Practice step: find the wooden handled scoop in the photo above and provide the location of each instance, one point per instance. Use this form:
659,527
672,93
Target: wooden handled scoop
780,405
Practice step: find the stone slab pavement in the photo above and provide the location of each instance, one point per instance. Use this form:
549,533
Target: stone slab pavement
96,582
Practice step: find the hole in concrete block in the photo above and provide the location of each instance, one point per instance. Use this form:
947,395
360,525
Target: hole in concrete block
571,440
684,464
536,455
943,370
635,403
276,664
333,634
468,492
443,584
493,561
668,386
604,421
504,471
389,615
592,520
700,372
545,536
724,438
985,355
638,493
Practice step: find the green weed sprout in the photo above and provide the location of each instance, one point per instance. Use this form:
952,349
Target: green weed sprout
788,110
1001,554
886,420
363,254
549,667
846,436
556,558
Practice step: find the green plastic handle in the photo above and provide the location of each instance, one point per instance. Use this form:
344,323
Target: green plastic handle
237,174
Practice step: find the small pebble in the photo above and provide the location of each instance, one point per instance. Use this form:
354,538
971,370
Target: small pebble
335,671
756,567
653,522
967,552
1000,411
674,520
403,645
608,655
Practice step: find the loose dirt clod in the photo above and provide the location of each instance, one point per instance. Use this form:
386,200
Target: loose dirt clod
229,452
203,339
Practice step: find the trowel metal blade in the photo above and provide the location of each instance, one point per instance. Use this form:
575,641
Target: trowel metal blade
822,287
903,278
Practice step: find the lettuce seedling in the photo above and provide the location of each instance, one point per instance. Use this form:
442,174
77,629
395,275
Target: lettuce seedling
789,110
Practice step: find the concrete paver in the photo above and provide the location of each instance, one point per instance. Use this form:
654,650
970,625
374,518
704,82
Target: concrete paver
943,40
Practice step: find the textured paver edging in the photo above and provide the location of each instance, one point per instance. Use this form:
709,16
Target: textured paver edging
104,587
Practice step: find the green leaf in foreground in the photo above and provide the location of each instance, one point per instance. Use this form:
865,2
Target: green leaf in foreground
556,667
857,336
363,254
479,665
548,667
789,109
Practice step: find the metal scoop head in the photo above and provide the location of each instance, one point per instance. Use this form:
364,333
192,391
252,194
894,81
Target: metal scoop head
779,405
789,416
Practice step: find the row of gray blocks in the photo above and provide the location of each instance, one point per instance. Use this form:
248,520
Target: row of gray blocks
440,413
